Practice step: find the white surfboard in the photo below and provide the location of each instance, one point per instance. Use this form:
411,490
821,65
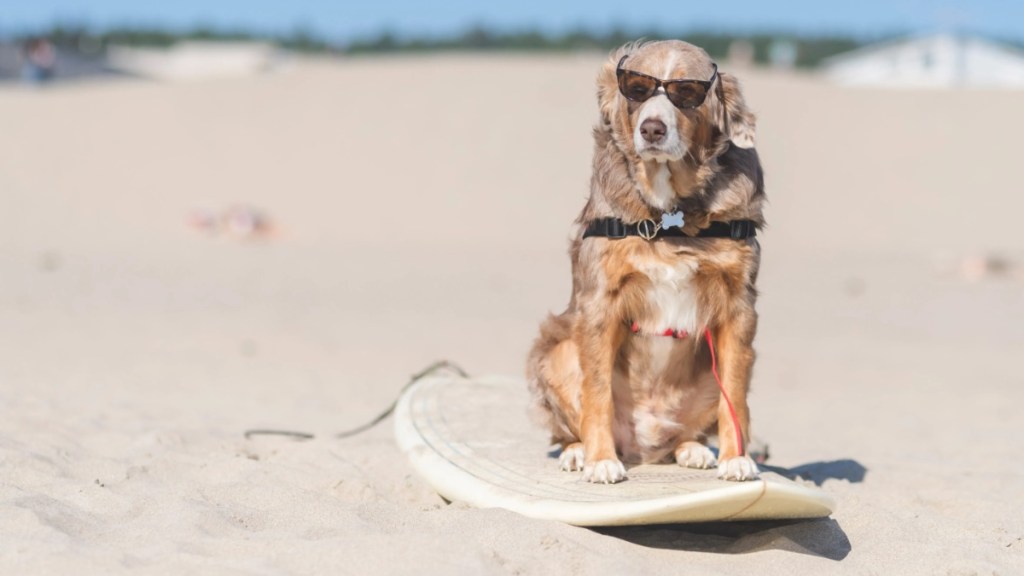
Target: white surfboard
472,440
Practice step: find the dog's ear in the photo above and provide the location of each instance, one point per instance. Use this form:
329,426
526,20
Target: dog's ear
608,84
732,116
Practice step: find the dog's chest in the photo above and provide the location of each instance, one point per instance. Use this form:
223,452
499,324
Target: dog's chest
671,297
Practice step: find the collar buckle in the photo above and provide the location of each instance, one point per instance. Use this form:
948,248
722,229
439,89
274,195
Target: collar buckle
615,228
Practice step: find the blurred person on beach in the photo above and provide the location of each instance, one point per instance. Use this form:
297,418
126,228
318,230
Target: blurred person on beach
39,60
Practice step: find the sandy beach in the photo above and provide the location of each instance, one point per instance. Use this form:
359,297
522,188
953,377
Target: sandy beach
419,208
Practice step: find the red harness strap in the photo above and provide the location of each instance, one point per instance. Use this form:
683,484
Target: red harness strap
678,334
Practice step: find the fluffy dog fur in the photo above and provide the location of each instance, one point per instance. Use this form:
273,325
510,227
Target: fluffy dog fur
609,395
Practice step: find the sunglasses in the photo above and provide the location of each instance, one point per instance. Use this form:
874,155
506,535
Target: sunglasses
681,93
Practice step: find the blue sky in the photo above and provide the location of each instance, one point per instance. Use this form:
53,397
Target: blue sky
346,19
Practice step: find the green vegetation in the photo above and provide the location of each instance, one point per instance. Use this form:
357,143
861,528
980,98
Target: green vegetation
810,50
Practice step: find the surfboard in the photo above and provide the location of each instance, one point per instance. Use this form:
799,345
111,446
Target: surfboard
471,439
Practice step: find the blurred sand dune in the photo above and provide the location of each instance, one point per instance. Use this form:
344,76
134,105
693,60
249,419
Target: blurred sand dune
421,209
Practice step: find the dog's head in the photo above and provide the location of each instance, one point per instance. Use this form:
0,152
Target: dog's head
664,125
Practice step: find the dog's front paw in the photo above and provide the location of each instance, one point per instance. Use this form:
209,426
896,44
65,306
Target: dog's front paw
738,469
695,455
571,459
604,472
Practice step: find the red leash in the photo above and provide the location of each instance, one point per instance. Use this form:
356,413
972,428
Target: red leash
728,402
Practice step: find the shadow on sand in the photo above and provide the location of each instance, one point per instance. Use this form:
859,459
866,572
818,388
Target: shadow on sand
818,472
822,537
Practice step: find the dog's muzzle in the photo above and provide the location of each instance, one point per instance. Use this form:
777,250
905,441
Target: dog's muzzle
656,136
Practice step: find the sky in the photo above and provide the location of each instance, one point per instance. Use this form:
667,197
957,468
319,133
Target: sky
347,19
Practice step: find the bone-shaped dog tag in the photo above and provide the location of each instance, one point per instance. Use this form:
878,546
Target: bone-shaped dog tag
670,220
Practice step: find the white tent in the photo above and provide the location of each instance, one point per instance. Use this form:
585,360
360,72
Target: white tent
194,60
939,61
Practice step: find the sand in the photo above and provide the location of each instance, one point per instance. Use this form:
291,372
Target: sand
421,209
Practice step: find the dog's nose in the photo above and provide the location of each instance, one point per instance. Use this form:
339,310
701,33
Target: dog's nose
653,130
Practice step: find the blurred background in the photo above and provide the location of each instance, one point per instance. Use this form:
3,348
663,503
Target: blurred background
112,36
217,216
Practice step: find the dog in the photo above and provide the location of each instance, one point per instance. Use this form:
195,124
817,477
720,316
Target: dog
664,266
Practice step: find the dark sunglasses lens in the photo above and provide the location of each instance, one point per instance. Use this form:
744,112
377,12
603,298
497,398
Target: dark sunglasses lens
686,94
636,87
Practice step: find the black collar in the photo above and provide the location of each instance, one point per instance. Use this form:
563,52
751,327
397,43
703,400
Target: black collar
615,228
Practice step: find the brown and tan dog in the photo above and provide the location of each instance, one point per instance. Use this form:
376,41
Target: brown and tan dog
607,381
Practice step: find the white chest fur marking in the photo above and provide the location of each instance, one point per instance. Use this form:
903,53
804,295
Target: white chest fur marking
672,298
663,195
673,303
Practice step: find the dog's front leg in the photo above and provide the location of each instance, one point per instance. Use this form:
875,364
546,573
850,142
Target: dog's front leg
734,342
599,346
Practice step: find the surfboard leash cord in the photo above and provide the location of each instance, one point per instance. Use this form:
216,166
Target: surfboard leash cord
450,366
728,402
439,366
